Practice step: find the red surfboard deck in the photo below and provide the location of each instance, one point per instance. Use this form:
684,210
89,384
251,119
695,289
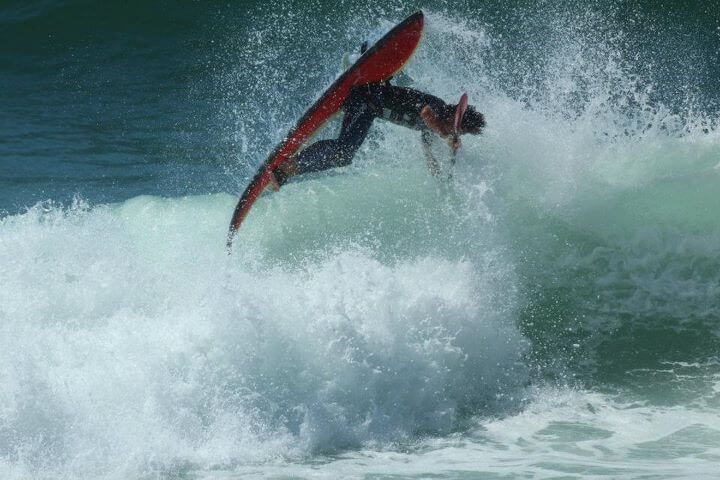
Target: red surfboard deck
377,64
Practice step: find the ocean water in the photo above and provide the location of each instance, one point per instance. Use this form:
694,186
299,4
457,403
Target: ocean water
553,311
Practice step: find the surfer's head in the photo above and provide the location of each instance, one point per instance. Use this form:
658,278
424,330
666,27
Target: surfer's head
473,121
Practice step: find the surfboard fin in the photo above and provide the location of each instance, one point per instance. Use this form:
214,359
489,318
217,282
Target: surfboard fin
348,59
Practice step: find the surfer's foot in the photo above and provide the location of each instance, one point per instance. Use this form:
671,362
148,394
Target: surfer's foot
284,171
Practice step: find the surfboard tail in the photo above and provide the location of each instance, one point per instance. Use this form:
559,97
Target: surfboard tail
251,193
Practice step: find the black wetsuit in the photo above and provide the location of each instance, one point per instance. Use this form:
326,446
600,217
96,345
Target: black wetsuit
395,104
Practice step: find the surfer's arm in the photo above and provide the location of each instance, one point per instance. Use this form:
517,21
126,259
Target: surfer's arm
432,162
441,127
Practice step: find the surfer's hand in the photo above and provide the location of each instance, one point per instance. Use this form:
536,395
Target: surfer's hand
454,142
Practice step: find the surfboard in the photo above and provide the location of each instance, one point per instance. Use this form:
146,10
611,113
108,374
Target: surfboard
377,64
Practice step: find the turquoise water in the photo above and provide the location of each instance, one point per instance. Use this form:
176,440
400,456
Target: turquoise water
551,312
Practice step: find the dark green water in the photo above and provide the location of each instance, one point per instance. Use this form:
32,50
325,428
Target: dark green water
113,100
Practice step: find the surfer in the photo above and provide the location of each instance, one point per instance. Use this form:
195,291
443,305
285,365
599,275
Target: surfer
403,106
364,93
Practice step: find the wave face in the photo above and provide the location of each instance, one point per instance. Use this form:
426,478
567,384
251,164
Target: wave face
552,310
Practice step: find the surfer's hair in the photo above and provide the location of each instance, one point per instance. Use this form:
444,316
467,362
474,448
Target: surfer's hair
473,121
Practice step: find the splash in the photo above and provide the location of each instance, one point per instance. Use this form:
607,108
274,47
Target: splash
125,332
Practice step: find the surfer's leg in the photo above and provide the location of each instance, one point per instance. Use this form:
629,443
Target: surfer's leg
360,111
325,154
322,155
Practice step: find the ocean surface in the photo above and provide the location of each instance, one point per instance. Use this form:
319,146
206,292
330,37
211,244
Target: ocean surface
553,311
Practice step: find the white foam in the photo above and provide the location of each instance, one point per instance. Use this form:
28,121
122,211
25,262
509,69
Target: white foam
131,341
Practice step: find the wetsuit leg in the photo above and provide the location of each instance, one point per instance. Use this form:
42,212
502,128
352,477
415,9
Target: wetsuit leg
324,154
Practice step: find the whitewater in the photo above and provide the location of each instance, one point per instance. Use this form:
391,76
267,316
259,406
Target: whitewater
550,312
